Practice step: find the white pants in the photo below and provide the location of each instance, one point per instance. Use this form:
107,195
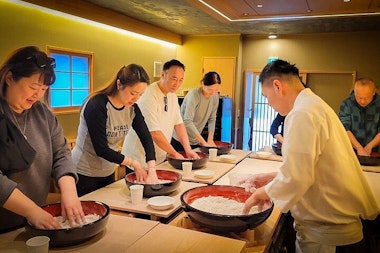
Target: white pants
305,245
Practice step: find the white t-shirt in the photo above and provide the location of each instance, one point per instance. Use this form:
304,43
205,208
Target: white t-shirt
157,119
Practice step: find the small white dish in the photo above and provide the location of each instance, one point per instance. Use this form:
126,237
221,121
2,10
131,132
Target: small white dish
263,154
204,174
161,202
228,158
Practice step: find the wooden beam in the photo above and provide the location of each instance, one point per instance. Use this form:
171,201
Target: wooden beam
102,15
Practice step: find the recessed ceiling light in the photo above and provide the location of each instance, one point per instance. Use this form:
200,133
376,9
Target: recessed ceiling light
346,1
259,6
272,36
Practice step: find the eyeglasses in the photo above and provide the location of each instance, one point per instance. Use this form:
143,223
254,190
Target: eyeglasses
42,61
166,103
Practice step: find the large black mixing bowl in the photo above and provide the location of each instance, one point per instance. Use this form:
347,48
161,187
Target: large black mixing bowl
219,222
222,147
170,182
197,163
72,236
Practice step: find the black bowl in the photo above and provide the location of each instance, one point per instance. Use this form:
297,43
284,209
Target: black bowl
151,190
73,236
222,147
197,163
219,222
373,160
277,148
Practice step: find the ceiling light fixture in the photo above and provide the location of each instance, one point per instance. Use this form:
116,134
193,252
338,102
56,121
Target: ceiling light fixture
272,36
284,18
259,6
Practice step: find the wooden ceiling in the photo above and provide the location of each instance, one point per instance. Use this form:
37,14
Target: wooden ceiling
246,17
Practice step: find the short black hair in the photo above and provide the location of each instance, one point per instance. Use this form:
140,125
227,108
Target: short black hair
277,68
211,78
171,63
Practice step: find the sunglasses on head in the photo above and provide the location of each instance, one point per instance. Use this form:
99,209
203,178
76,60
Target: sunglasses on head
166,103
42,61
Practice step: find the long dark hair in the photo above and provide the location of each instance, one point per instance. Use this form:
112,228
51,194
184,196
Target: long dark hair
128,76
25,62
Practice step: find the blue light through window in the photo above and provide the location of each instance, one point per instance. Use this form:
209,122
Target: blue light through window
72,84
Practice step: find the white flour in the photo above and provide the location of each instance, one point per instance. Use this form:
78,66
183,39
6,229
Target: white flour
221,205
89,219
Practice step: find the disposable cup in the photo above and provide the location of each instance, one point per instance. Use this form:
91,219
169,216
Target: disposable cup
136,193
38,244
213,152
187,168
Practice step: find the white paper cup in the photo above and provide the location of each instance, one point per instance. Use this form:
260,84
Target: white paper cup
186,168
212,152
136,193
38,244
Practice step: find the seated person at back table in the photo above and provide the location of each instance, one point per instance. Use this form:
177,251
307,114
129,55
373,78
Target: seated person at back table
360,116
277,128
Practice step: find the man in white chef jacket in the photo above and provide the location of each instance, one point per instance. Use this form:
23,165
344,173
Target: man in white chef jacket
320,181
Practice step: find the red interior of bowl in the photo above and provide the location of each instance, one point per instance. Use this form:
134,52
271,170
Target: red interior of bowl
231,192
161,174
89,207
222,144
200,154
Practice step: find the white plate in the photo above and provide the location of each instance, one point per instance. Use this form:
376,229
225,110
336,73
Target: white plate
263,154
228,157
204,173
161,202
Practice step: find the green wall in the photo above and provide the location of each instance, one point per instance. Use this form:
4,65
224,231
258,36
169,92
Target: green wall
195,48
356,51
21,26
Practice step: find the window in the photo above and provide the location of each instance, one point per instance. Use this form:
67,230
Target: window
73,79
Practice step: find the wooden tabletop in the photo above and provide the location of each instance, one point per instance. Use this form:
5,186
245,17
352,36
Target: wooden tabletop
120,233
238,153
219,168
117,197
171,239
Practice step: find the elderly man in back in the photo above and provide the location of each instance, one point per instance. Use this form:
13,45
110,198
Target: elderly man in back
360,115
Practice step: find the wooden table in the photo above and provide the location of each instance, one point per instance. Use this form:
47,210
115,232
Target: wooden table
171,239
372,173
240,155
262,233
250,166
219,168
117,197
121,232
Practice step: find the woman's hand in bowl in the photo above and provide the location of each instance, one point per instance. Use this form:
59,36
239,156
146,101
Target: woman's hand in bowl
152,176
192,154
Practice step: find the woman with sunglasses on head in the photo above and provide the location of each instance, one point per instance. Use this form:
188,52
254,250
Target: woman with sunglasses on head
199,108
24,79
105,119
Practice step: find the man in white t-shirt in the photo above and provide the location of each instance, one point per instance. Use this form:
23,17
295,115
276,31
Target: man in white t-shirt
160,108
